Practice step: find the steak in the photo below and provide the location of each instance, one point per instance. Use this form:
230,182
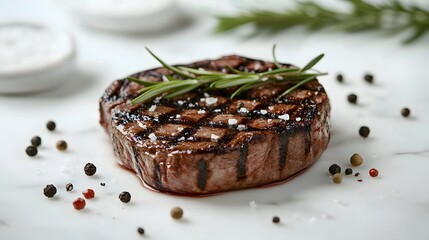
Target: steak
200,144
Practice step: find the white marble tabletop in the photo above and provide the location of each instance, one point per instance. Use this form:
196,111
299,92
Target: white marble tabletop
395,205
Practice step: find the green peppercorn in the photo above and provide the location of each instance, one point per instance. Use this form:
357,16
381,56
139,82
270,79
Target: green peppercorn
356,160
348,171
51,125
31,151
176,213
276,219
369,78
337,178
405,112
352,98
364,131
36,141
61,145
334,168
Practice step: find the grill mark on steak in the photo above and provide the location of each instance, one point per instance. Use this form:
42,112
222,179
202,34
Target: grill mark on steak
241,162
283,140
195,151
202,174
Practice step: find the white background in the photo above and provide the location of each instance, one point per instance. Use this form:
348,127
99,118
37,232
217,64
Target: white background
393,206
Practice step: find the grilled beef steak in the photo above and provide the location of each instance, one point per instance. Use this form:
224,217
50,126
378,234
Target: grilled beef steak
199,143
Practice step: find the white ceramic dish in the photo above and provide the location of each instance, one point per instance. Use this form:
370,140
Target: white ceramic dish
128,16
33,57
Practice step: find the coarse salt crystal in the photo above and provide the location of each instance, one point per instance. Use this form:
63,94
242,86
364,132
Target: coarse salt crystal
181,139
152,108
278,77
298,119
216,110
232,121
243,110
264,79
180,129
211,100
257,66
206,95
191,105
178,116
263,111
214,137
202,99
190,138
241,127
284,117
180,102
201,111
152,137
271,107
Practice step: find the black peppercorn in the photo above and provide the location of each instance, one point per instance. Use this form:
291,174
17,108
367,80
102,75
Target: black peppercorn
31,151
276,219
61,145
334,168
340,78
50,190
405,112
140,230
349,171
357,174
364,131
90,169
125,197
69,187
368,78
36,141
352,98
103,184
51,125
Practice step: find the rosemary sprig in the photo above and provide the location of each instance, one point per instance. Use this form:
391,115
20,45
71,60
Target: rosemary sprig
391,17
198,78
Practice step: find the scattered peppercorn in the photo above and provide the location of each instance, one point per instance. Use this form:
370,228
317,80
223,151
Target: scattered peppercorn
50,190
276,219
31,151
352,98
125,197
69,187
340,78
364,131
176,213
373,172
359,180
88,193
103,184
337,178
405,112
349,171
140,230
61,145
357,174
51,125
356,159
369,78
90,169
79,204
334,168
36,141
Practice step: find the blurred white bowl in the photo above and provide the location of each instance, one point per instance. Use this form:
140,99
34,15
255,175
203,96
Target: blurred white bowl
33,57
127,16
